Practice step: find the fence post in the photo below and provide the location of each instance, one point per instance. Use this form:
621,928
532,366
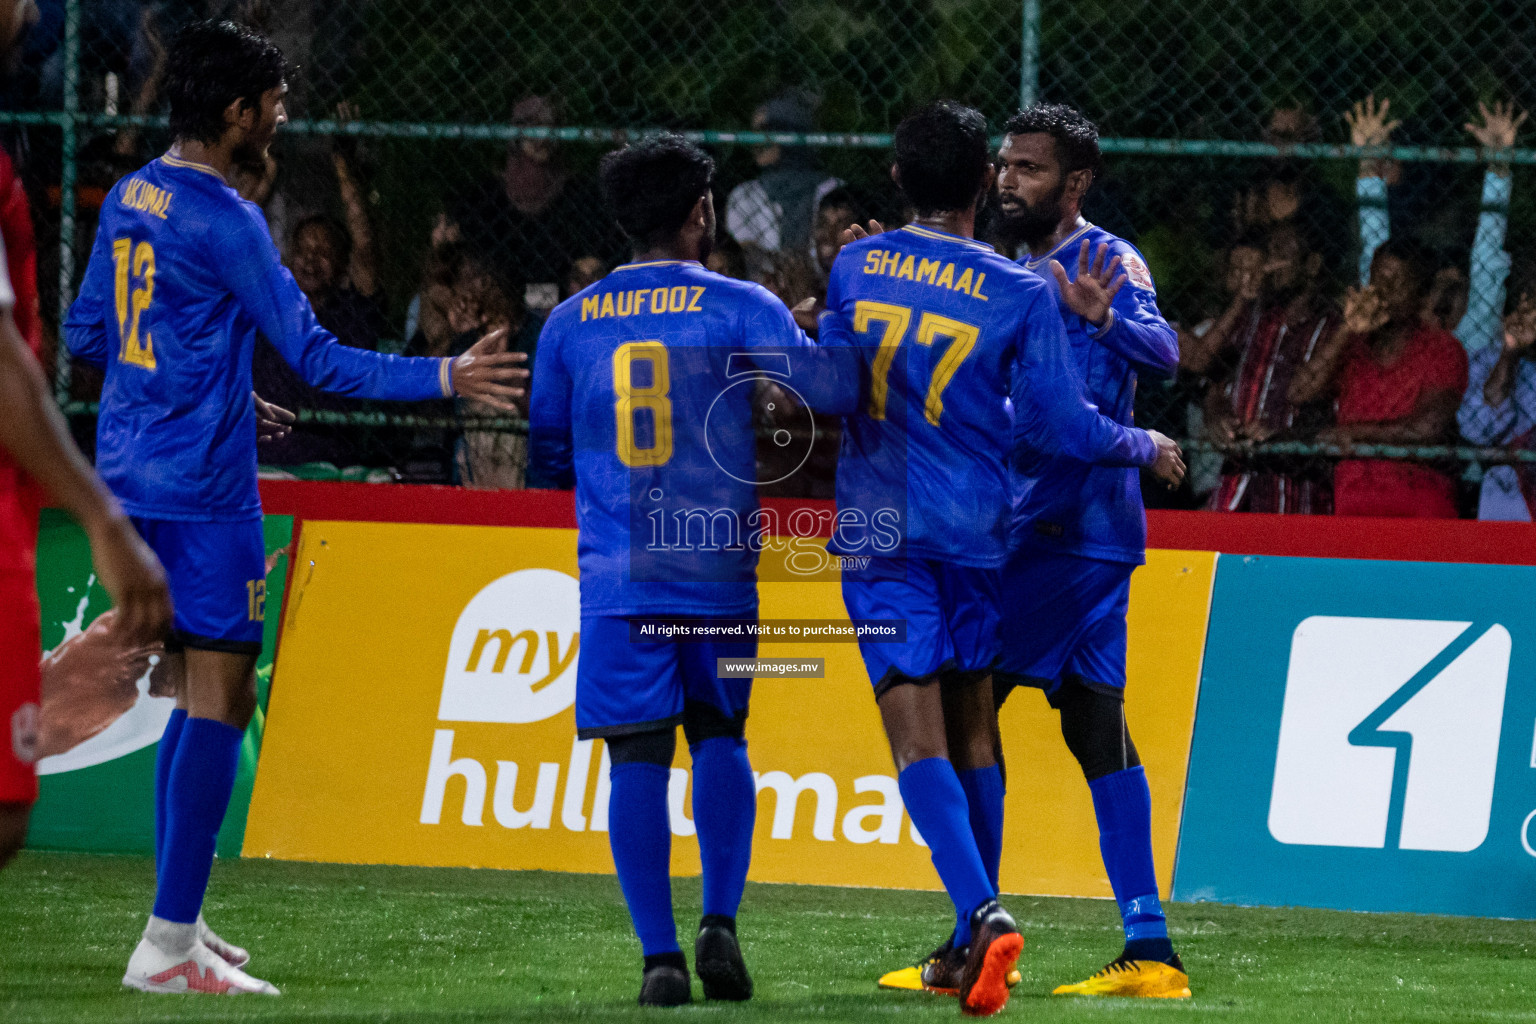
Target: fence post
67,175
1029,65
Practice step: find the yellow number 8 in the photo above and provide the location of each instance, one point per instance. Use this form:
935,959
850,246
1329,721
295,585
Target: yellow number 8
631,398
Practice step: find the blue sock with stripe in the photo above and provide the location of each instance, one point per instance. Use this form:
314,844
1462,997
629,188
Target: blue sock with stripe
197,795
164,755
640,835
1123,804
724,812
938,806
984,796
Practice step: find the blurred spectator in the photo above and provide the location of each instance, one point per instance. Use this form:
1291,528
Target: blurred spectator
1277,321
837,213
776,212
1470,302
1285,189
486,297
334,266
584,273
1500,409
536,218
1398,380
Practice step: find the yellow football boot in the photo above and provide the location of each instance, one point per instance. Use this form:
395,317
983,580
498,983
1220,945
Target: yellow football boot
938,973
1144,979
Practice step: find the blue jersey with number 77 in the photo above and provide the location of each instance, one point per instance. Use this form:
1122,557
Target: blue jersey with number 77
644,389
966,361
182,275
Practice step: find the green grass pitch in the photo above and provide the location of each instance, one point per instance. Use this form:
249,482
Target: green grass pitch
413,944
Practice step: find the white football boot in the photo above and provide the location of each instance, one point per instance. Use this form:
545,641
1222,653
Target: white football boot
227,951
197,971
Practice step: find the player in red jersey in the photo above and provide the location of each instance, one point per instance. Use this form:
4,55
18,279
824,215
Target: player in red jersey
37,457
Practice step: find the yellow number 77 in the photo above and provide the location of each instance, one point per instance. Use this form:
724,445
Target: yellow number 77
897,319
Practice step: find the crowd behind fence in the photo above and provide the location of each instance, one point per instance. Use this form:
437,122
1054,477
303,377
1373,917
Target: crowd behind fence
438,177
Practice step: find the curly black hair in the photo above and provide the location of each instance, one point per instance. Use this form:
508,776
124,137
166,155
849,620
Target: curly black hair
652,186
942,156
1077,138
211,65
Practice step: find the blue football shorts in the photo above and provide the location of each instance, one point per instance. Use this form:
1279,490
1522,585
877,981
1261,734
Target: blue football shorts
625,686
1063,618
951,612
218,578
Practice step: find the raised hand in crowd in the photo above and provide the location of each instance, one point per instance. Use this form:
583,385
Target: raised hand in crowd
1519,337
363,268
1368,126
1096,286
1364,311
1500,127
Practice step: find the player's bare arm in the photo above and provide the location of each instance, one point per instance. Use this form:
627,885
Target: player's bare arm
33,431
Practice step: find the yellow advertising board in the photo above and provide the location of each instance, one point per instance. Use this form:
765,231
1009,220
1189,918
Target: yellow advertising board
421,713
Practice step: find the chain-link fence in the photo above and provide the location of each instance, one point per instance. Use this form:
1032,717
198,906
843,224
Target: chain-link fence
438,175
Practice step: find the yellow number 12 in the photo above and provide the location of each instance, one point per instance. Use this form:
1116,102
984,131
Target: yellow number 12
130,306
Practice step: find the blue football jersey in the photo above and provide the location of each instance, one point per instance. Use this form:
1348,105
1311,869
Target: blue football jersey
182,275
965,359
643,394
1066,504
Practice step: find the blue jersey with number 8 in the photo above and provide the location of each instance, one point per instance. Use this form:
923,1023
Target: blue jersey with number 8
182,275
644,390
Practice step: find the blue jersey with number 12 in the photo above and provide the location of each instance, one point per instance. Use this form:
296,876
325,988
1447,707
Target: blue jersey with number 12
182,276
643,392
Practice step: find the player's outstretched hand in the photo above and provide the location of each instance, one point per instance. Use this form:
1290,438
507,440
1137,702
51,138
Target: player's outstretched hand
488,373
853,232
1169,467
1096,286
273,422
134,580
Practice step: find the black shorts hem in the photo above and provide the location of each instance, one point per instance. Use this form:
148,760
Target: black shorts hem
601,732
893,679
181,640
1004,683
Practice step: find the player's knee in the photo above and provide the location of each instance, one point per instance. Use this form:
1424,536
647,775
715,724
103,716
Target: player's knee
1093,725
13,830
703,721
656,747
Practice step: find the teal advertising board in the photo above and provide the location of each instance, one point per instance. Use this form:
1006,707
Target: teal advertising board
104,707
1364,739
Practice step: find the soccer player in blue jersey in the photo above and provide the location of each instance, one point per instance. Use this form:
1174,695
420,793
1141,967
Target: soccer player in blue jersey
950,332
642,399
1078,528
182,276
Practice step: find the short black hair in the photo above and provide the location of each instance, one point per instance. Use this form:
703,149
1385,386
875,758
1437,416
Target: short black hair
942,156
1416,256
341,238
651,186
211,65
1077,138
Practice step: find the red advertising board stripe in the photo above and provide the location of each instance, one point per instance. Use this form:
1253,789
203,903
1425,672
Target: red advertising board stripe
1407,540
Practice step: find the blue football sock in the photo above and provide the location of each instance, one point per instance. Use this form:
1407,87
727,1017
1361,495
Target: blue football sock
164,755
640,835
724,811
1123,804
938,807
197,795
984,796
